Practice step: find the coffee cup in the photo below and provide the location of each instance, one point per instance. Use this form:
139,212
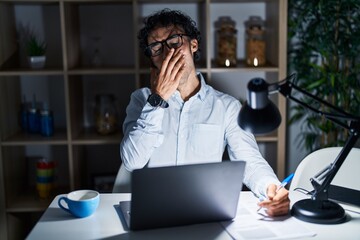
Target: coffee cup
80,203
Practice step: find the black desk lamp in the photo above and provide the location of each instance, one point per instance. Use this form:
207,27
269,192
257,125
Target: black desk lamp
259,115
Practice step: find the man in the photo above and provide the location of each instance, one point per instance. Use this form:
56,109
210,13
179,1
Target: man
182,120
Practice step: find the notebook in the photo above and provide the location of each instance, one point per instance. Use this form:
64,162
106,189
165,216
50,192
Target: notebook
183,195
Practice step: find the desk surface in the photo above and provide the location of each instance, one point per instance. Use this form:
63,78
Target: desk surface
105,223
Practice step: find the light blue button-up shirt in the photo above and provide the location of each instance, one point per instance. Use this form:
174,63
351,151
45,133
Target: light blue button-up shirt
195,131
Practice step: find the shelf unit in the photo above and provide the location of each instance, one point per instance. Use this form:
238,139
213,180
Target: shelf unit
69,83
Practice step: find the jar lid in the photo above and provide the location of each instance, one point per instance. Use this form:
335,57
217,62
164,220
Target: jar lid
225,21
32,110
45,112
254,22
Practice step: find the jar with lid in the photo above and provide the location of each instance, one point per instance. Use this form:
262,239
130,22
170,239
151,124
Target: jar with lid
105,114
255,42
226,42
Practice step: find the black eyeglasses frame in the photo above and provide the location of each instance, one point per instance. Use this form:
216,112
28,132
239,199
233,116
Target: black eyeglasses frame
149,53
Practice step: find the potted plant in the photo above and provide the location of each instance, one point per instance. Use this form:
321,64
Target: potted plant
324,46
36,50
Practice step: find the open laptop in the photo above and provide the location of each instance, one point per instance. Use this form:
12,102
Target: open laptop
183,195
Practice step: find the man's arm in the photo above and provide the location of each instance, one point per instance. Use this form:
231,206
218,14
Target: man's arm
142,131
242,146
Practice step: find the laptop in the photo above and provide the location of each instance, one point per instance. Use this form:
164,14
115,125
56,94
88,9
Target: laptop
183,195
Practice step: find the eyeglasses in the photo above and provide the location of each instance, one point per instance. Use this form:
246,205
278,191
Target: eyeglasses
156,48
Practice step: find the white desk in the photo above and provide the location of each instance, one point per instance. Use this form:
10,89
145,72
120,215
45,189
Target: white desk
105,223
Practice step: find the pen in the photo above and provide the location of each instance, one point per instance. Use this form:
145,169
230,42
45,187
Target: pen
285,181
282,185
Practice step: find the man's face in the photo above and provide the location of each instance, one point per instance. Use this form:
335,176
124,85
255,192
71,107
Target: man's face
171,34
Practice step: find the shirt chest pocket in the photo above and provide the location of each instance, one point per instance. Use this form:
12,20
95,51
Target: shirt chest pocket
206,139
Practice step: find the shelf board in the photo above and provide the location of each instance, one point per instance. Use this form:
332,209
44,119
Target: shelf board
172,1
268,138
23,139
102,71
89,137
30,201
242,67
31,72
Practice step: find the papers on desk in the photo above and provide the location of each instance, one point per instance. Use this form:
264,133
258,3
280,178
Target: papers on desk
249,224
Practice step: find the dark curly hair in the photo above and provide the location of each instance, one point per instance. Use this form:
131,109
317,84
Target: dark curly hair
165,18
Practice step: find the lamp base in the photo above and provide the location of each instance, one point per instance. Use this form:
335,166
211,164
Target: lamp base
318,211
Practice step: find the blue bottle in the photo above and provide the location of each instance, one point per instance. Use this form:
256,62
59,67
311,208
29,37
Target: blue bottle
33,119
24,115
47,123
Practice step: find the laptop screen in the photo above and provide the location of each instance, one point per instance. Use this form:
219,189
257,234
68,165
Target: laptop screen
187,194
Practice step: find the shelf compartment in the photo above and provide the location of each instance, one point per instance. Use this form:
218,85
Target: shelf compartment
83,90
95,35
92,161
20,175
18,93
22,17
240,11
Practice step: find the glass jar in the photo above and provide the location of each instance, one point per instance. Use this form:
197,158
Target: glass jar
105,114
226,42
255,42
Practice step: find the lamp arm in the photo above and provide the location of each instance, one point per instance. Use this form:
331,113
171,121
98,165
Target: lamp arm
321,181
331,116
285,88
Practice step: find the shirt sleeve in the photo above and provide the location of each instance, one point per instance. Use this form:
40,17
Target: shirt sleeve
242,146
142,131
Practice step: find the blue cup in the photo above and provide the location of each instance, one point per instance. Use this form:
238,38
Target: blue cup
80,203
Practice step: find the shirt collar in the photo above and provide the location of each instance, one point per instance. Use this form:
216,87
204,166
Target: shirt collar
203,89
201,94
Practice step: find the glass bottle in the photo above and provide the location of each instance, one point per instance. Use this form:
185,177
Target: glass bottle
46,121
226,42
33,117
255,42
105,114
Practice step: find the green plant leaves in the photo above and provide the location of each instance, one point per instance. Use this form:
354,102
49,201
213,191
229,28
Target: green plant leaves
35,47
324,47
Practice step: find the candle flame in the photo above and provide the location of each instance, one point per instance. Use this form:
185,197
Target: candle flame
256,62
227,63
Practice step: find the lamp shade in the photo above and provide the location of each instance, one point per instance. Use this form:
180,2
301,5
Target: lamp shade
259,115
259,121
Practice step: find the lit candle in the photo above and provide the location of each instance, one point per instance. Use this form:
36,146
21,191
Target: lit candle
256,62
227,63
